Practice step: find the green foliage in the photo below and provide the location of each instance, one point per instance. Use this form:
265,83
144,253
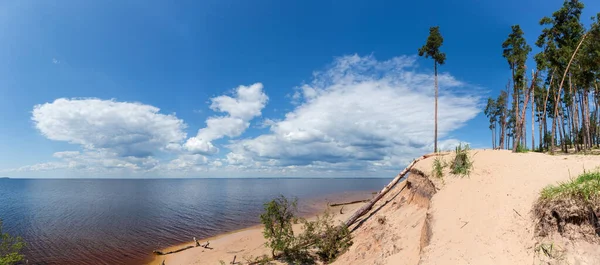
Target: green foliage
462,164
438,167
278,218
431,49
521,148
321,237
515,50
585,187
329,240
10,248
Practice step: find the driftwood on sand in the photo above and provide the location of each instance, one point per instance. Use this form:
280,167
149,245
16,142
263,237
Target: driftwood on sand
160,253
347,203
365,208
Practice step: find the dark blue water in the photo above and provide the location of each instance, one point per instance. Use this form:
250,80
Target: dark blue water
83,221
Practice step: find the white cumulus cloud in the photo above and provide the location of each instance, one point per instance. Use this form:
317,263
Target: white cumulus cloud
360,114
123,128
246,104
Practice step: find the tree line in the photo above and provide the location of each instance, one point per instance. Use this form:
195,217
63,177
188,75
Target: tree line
562,92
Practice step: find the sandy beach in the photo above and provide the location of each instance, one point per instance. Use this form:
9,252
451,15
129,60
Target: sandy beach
242,244
484,218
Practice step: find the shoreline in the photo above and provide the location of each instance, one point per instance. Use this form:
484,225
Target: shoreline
249,241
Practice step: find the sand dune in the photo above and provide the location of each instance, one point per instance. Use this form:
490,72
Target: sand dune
481,219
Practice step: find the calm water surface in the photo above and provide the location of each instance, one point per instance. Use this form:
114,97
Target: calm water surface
82,221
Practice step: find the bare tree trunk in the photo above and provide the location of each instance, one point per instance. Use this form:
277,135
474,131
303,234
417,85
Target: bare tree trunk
504,116
596,99
365,208
576,125
563,135
521,119
516,104
435,149
540,131
586,119
546,105
563,80
532,120
493,138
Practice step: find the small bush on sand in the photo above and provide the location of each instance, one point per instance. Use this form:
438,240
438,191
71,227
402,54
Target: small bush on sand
10,248
278,218
328,240
320,238
571,208
438,167
462,164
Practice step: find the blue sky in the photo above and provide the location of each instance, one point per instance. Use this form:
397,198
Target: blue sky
292,88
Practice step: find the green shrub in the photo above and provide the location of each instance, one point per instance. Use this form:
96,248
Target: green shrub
278,218
321,237
328,239
10,248
462,164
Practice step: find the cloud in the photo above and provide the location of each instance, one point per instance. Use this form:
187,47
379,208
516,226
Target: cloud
246,104
187,163
55,61
357,116
94,161
114,136
120,128
360,114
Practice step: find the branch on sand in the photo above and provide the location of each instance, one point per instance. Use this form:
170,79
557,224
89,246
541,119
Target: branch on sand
347,203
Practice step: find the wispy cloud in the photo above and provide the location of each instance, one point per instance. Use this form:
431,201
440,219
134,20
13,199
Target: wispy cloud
55,61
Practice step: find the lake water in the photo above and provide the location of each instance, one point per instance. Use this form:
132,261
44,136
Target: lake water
120,221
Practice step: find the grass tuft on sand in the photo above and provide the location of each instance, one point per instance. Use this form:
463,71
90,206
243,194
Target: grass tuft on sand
586,187
462,163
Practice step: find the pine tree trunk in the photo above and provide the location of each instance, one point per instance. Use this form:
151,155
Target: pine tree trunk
586,119
519,124
564,136
596,99
540,131
435,149
563,79
583,122
545,114
554,124
516,109
532,119
493,138
576,124
503,118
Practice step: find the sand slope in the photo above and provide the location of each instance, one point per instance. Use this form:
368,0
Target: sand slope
481,219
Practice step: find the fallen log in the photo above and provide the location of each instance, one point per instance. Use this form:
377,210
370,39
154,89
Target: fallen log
365,209
160,253
346,203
